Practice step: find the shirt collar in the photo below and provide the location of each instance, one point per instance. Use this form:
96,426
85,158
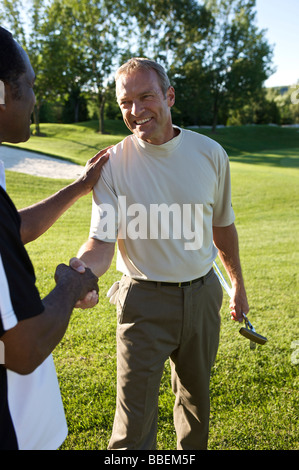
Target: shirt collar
163,149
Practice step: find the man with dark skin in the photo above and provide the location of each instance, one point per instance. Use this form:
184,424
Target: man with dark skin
31,327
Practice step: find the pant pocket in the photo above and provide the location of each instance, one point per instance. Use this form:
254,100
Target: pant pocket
112,293
123,292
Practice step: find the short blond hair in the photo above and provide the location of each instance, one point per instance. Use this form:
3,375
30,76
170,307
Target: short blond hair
142,63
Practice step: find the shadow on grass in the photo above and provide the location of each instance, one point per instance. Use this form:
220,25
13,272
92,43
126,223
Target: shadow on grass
259,145
280,158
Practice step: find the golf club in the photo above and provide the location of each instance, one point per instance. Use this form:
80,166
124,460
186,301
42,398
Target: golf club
249,331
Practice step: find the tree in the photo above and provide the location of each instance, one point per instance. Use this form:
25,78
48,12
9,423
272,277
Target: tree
238,57
225,64
157,27
90,32
172,33
46,52
287,101
72,44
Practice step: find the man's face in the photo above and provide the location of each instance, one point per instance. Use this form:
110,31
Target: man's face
145,110
15,114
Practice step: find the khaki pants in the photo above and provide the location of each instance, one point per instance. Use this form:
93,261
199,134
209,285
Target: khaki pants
156,323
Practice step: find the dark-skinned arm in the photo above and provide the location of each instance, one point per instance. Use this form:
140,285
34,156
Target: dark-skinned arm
32,340
38,218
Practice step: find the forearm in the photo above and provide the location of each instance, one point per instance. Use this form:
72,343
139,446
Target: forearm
226,240
38,218
97,255
31,341
46,331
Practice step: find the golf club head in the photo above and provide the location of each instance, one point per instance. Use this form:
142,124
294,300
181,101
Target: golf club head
252,336
249,332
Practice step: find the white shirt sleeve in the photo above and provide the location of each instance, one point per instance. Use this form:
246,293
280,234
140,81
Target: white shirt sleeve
104,216
223,213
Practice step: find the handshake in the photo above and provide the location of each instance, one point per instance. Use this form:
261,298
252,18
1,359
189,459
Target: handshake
82,284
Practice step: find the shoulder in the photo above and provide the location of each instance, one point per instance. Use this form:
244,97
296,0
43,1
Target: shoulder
202,139
117,151
205,145
118,155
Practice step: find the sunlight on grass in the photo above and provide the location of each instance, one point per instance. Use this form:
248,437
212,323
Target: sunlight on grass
254,394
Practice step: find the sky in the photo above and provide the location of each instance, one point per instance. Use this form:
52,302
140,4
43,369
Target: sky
281,19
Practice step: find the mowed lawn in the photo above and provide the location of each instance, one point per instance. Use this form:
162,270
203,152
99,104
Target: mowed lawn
254,394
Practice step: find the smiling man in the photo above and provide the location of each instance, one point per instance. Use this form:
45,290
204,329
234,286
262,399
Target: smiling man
145,106
169,298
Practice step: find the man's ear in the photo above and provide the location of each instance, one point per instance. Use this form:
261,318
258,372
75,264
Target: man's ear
170,95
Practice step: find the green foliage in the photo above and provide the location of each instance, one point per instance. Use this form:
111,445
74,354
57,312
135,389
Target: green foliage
254,399
287,103
214,52
224,69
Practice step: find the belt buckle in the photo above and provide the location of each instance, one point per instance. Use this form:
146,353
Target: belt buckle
189,282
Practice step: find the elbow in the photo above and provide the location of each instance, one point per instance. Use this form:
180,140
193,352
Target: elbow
26,235
28,231
24,367
23,362
25,347
224,236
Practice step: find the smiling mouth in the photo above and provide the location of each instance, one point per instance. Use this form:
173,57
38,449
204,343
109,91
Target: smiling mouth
143,121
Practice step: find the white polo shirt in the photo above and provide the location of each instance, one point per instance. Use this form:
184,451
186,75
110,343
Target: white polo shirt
160,202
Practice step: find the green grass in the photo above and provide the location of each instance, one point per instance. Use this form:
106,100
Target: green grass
254,394
75,142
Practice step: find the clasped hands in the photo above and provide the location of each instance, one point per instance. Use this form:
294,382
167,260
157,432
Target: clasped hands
92,298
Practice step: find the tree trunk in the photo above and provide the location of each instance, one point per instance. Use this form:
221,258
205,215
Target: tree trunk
215,113
76,111
101,114
36,119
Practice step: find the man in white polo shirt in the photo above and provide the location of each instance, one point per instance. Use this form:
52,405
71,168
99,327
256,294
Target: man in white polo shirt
165,197
31,411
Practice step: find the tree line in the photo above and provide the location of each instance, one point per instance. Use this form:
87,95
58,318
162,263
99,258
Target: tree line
215,55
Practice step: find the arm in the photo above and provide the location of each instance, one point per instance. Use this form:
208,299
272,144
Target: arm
31,341
97,255
38,218
226,240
